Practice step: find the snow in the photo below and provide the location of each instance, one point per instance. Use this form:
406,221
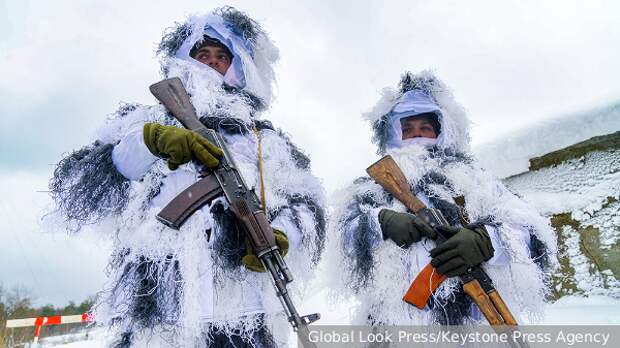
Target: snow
90,338
587,189
606,221
575,310
510,154
579,185
84,344
586,277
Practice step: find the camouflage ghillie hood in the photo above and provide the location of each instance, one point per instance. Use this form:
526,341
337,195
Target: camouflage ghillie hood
253,52
377,272
437,99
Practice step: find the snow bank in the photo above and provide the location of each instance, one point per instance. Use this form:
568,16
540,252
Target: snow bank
510,155
579,185
89,338
574,310
582,199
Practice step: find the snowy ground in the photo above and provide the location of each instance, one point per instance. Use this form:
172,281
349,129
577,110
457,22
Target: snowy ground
596,310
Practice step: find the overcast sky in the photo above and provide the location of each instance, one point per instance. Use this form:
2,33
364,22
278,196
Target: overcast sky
64,65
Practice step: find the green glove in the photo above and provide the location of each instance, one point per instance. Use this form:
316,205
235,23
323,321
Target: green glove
180,145
465,249
251,261
404,228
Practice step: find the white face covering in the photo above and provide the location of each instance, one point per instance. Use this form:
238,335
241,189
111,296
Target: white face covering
397,141
214,27
428,142
411,103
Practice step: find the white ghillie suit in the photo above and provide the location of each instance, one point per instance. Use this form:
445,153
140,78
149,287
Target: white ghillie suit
181,288
378,272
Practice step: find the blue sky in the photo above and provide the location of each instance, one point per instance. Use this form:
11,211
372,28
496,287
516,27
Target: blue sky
65,65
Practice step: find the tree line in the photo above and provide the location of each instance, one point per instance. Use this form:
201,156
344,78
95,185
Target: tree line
17,303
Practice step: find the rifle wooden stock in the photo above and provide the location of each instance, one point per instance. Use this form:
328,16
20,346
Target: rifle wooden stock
502,308
387,174
477,294
175,98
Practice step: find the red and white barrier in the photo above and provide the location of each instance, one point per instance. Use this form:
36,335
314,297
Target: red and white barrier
43,321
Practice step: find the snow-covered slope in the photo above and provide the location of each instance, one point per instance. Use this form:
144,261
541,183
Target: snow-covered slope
510,154
574,179
581,195
580,186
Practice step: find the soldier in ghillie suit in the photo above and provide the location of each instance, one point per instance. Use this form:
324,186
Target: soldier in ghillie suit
199,286
382,247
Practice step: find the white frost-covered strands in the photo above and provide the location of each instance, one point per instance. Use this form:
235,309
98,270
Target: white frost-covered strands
182,287
254,53
454,122
378,272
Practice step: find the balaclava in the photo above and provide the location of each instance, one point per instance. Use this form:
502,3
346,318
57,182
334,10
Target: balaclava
253,53
417,94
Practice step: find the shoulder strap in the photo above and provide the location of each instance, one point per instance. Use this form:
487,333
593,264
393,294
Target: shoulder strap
460,202
260,170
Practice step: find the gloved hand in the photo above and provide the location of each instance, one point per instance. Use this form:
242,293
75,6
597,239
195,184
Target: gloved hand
404,228
251,261
180,145
465,249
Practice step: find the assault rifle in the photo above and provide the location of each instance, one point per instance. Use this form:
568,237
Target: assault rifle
476,283
244,203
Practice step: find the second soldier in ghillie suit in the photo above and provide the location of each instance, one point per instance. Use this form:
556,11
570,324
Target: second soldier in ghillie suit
382,247
195,287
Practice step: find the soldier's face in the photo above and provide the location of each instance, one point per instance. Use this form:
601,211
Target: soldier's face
417,127
215,57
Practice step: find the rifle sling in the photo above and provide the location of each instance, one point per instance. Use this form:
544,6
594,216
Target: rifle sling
260,170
